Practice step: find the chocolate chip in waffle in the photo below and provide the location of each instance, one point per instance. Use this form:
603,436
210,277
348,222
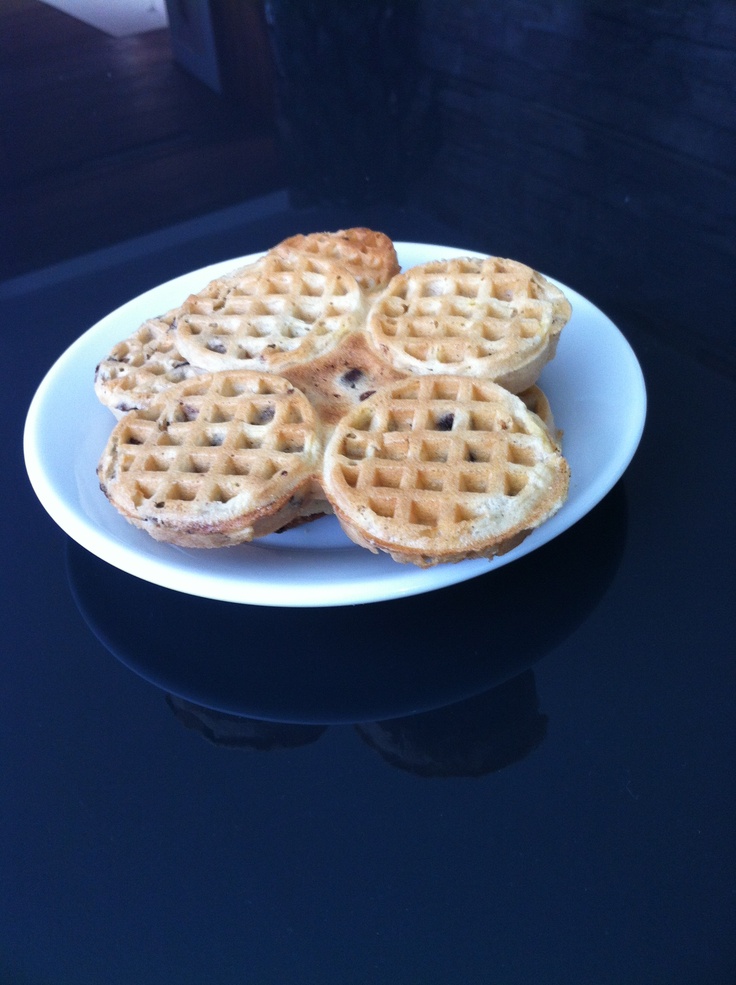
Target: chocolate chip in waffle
216,460
491,318
275,313
442,468
338,381
141,366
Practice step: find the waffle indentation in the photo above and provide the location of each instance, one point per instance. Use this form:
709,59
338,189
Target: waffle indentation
223,436
268,311
465,316
435,452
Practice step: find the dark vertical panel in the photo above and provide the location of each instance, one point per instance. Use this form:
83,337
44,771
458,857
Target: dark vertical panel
353,112
244,57
596,140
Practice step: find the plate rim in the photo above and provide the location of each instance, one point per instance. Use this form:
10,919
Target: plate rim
407,579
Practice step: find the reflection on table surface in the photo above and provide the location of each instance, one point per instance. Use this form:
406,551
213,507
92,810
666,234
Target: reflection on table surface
480,735
354,664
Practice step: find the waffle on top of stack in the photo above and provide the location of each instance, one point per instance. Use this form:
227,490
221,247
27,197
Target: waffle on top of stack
320,378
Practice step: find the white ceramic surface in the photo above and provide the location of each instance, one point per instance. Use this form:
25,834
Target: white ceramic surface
594,384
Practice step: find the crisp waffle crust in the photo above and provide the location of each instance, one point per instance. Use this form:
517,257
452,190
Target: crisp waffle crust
368,255
141,366
278,312
320,378
214,461
492,318
443,468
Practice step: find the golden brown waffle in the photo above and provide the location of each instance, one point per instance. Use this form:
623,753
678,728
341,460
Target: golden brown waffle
442,468
229,400
142,366
368,255
537,402
491,318
274,313
216,460
343,378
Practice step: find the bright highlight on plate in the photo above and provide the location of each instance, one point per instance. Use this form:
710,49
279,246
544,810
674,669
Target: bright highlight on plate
594,384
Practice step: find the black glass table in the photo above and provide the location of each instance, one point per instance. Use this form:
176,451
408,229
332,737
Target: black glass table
527,777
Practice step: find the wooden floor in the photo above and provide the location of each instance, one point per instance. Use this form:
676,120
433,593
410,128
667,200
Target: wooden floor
105,138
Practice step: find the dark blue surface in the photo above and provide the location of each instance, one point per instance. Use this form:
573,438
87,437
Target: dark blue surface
552,799
363,662
596,845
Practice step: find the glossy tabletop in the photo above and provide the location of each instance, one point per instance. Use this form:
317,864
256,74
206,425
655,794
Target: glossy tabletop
527,777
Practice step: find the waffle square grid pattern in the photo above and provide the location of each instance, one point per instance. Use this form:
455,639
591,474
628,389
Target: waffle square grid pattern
214,459
278,311
433,457
319,378
436,468
490,318
232,445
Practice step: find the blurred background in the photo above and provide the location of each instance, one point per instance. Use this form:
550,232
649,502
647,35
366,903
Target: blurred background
590,138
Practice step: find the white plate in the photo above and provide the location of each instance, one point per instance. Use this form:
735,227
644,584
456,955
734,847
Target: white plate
594,384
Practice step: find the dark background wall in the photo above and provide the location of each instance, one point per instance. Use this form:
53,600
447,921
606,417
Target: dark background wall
592,139
610,128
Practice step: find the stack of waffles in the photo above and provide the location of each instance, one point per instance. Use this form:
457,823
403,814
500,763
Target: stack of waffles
321,378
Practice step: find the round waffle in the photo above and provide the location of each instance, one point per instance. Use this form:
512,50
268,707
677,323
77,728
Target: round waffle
491,318
442,468
279,311
216,460
368,255
141,366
